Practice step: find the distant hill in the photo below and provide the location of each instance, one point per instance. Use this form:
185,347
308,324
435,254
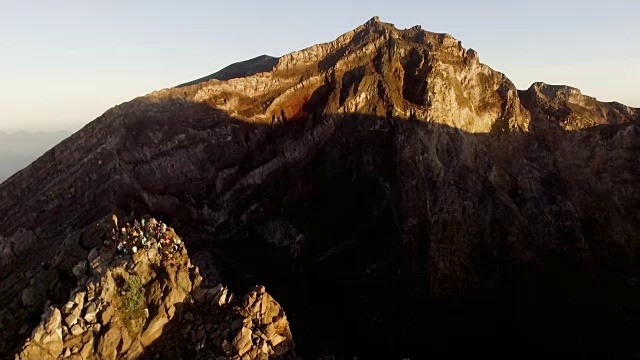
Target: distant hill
19,149
262,63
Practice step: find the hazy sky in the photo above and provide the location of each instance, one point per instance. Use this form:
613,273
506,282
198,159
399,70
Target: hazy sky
66,62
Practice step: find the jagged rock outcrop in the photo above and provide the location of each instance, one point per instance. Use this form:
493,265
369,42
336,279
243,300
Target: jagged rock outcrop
125,303
256,327
387,162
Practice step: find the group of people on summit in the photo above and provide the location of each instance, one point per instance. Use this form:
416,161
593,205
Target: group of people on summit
130,238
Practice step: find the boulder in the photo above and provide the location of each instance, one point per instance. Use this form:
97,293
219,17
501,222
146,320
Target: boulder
276,340
242,342
107,313
46,338
221,298
91,288
154,330
126,339
93,254
249,299
108,343
87,350
91,312
73,342
80,269
76,329
135,351
78,298
206,295
53,320
72,318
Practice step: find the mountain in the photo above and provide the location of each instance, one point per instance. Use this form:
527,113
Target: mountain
19,149
262,63
398,197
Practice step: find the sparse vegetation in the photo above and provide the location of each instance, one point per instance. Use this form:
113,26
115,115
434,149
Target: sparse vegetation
132,303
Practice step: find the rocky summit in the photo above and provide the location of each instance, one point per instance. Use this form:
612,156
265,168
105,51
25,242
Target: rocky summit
151,302
398,197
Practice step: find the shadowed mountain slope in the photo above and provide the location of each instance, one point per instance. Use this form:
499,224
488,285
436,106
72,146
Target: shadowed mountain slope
262,63
380,183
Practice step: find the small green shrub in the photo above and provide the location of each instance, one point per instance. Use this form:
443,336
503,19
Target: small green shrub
133,303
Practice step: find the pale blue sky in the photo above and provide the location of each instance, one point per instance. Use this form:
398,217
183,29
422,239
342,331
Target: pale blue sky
66,62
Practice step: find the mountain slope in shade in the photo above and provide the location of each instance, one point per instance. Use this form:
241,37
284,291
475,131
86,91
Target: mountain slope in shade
262,63
383,182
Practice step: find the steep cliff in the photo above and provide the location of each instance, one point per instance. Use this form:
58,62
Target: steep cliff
385,168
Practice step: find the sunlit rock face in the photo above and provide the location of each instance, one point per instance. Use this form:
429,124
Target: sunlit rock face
151,303
385,180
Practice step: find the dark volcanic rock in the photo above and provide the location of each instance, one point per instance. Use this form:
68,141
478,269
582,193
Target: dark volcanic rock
262,63
383,182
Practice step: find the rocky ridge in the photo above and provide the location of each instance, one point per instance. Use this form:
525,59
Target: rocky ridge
128,307
387,161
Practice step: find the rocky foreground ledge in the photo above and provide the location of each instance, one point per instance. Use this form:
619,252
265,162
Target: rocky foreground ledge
150,304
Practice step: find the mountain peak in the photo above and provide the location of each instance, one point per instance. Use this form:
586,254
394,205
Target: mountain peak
374,69
377,69
358,178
